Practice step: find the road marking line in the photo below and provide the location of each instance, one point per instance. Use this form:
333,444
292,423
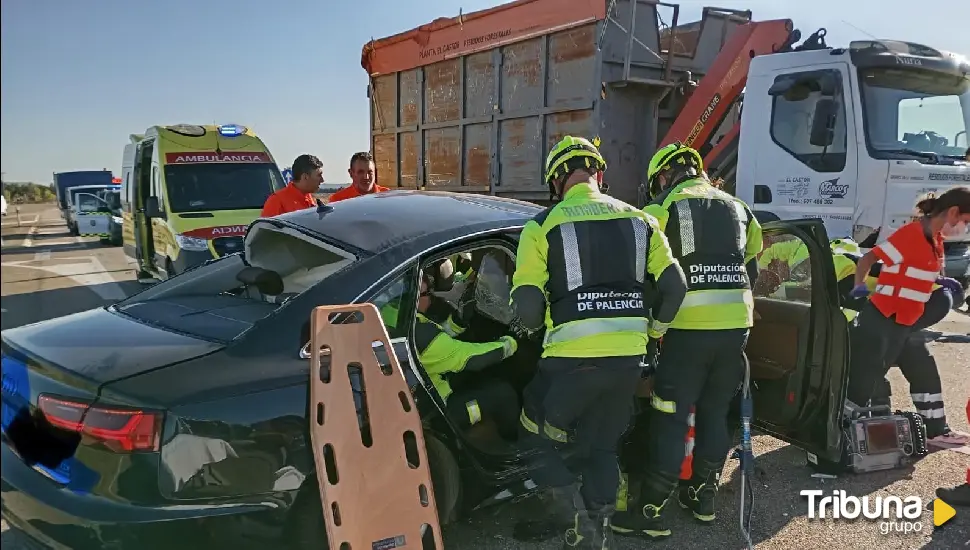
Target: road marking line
89,272
22,223
29,239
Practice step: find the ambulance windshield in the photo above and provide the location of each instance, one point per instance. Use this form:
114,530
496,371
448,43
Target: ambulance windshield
207,187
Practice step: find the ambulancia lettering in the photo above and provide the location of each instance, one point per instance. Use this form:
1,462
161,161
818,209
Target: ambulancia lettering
228,230
213,157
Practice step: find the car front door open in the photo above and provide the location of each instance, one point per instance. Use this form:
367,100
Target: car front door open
798,347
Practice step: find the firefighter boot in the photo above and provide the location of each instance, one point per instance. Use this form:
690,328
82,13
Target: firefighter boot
697,494
590,531
644,519
559,505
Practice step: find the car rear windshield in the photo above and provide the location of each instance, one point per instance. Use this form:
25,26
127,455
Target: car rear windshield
220,186
223,298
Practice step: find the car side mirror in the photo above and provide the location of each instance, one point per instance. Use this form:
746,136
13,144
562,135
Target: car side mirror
823,123
152,208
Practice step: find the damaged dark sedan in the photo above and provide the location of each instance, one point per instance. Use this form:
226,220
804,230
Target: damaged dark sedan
178,416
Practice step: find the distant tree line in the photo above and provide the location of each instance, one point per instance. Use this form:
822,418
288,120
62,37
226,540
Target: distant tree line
18,192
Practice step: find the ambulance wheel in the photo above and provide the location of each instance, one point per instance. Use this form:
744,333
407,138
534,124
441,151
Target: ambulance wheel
304,529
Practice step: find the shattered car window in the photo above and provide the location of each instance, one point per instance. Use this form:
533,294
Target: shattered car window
493,288
785,270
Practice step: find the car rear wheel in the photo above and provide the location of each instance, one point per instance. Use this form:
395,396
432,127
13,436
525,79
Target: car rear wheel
306,530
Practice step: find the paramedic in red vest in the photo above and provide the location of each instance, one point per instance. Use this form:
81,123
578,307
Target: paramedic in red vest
298,194
912,262
363,174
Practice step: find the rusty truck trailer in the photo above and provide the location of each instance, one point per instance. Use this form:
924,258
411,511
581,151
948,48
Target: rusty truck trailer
473,103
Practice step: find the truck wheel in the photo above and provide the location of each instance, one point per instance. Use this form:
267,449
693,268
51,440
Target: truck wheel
305,529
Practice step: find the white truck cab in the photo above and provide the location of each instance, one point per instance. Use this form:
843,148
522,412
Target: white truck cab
856,136
88,213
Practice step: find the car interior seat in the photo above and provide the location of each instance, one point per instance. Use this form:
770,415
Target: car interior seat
267,283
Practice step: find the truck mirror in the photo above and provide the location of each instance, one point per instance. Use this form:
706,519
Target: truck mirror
823,123
152,209
828,85
781,86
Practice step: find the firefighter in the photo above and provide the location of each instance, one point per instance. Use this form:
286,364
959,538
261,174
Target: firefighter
912,260
442,355
716,239
584,269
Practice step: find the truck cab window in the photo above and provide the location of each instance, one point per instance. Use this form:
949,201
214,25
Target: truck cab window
792,115
913,112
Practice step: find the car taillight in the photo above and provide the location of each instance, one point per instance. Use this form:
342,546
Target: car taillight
121,430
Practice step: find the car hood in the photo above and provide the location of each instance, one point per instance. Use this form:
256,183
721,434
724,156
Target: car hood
101,346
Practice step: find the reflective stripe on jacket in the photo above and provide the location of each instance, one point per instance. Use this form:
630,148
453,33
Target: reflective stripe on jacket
911,265
440,354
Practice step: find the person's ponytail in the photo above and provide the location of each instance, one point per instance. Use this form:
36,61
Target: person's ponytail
926,206
958,197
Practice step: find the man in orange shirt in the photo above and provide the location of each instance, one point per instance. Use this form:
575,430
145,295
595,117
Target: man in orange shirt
362,174
297,195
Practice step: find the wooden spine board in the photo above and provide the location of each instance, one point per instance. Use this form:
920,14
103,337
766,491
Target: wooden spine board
374,497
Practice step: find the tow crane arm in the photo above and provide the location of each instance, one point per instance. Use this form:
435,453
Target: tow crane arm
719,92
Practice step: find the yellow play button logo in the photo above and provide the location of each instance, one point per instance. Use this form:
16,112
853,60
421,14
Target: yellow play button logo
942,512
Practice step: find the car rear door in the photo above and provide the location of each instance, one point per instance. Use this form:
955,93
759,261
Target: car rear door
798,347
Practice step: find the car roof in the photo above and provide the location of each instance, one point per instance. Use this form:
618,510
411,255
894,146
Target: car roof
377,222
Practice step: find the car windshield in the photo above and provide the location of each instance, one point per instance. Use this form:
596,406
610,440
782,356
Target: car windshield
914,113
220,186
87,202
76,194
223,298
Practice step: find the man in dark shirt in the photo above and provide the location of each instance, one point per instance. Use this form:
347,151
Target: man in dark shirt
298,194
362,174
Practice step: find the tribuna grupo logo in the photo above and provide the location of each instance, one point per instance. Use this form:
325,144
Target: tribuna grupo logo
893,514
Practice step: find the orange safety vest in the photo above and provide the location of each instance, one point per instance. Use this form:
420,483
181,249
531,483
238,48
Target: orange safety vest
911,264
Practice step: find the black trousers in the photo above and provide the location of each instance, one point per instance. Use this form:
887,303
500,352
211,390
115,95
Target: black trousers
876,342
583,407
493,400
699,368
925,387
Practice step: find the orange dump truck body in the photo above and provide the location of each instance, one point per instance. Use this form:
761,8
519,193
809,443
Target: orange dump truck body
473,103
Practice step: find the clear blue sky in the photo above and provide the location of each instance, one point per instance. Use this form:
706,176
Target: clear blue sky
79,76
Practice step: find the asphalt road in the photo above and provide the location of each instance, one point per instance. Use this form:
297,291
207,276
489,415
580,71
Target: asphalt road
47,273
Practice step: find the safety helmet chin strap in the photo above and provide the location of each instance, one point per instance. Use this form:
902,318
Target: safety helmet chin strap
555,195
